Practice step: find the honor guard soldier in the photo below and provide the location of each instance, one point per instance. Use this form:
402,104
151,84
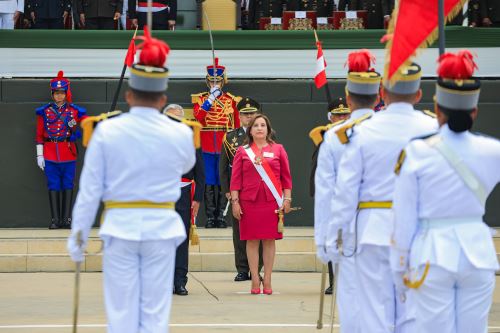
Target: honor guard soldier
192,187
338,113
441,244
217,113
134,163
364,191
362,95
56,134
378,11
248,109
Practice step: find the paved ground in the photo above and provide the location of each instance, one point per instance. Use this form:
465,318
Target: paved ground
42,303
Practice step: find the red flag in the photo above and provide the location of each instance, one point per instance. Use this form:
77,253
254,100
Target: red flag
129,58
414,25
320,78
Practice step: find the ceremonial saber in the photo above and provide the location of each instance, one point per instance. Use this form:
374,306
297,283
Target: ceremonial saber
319,324
335,279
226,209
76,295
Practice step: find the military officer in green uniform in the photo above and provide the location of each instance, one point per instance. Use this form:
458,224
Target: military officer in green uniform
323,8
490,12
265,8
248,109
473,14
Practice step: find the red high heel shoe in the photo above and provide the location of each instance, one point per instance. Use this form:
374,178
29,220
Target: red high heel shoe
255,291
267,291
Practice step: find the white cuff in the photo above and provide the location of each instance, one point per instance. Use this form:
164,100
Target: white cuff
39,150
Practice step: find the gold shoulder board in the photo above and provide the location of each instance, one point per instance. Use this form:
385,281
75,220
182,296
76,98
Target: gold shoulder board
429,113
196,127
401,160
196,98
342,132
237,99
316,134
88,124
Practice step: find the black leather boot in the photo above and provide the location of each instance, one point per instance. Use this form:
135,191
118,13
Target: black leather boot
221,207
55,210
210,205
67,197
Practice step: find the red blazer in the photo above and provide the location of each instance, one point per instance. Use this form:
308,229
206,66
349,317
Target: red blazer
247,180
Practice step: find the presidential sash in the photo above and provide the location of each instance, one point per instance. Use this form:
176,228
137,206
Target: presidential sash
265,172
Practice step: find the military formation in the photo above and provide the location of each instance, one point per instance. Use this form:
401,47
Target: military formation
399,195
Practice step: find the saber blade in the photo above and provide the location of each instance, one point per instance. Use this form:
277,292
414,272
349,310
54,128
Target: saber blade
319,324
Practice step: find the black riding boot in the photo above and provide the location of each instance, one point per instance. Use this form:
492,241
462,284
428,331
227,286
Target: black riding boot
55,209
210,205
67,196
221,207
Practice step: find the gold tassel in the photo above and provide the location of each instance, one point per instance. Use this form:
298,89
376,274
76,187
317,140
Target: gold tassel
193,235
281,224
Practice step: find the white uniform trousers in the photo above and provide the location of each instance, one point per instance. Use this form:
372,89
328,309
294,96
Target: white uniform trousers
380,310
138,282
455,302
6,21
346,295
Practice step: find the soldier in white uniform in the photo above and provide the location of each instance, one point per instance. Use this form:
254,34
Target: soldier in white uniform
363,198
10,10
366,85
439,202
133,164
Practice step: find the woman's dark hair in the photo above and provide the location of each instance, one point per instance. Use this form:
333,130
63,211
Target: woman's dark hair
458,120
269,136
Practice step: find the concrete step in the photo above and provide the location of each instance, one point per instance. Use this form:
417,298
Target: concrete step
40,250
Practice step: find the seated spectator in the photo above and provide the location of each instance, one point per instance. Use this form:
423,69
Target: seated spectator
10,11
99,14
164,16
48,14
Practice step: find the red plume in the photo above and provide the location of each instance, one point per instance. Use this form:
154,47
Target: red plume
360,61
456,66
60,75
154,51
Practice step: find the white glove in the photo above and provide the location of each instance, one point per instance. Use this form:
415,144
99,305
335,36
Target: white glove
214,93
333,254
77,247
41,162
397,279
321,254
39,156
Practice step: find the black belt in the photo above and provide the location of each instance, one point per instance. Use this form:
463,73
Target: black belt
215,128
56,140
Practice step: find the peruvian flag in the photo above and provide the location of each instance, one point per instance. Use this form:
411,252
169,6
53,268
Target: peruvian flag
414,25
129,58
320,78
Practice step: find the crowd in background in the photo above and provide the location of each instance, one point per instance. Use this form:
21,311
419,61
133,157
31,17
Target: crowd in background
127,14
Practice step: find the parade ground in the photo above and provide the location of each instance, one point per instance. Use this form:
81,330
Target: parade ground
43,302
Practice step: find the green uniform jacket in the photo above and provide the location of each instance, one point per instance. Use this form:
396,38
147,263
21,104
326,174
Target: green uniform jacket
232,141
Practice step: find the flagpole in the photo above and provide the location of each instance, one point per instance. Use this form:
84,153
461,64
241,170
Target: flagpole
117,92
150,15
442,37
327,88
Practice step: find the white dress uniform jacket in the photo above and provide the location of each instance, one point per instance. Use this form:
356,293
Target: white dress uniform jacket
440,219
140,155
7,10
366,173
325,178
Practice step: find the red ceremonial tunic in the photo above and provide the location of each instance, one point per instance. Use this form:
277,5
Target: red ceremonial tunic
259,219
222,117
56,129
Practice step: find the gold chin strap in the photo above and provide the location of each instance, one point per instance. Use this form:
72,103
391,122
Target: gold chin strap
375,205
417,283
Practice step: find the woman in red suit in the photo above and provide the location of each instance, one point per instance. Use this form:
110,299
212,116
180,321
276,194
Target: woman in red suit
260,185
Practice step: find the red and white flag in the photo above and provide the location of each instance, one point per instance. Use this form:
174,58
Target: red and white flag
320,78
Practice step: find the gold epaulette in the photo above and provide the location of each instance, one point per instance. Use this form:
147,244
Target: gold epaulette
196,127
196,98
342,132
429,113
401,160
88,124
237,99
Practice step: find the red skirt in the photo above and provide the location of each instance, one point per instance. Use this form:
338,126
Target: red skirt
259,219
